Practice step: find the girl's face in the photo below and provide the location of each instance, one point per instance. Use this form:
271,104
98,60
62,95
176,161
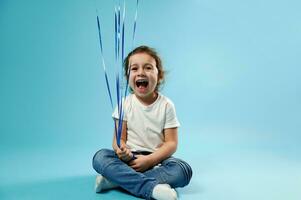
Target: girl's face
143,77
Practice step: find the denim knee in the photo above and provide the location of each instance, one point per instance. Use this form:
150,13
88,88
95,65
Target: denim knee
100,159
183,168
186,170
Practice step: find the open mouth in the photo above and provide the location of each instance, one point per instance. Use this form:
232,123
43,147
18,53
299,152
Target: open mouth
142,83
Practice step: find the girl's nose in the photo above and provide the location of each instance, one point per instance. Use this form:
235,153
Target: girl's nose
141,71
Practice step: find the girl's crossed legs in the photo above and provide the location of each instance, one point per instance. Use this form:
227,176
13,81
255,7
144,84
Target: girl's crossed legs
172,171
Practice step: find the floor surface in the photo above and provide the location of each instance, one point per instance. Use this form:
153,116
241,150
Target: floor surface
239,170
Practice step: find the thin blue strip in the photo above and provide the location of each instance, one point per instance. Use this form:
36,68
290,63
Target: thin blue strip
103,63
135,24
116,34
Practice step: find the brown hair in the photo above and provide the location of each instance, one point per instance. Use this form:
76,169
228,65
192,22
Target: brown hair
152,52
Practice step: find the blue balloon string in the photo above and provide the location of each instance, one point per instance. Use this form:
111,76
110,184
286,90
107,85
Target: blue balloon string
108,88
118,31
118,92
99,35
116,36
122,45
122,36
120,125
119,89
119,48
103,62
135,23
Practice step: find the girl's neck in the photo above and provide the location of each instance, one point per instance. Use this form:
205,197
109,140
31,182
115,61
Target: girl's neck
148,100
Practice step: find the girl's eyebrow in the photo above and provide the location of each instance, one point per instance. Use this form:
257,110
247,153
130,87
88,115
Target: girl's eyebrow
133,65
136,65
148,64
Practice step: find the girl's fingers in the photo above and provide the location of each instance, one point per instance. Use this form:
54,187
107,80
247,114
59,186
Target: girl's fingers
128,152
133,166
124,153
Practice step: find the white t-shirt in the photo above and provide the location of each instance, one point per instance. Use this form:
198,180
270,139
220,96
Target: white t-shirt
145,124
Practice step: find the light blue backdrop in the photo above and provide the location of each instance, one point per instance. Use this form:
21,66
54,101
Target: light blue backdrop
233,74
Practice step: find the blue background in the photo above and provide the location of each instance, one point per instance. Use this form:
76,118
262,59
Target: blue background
233,74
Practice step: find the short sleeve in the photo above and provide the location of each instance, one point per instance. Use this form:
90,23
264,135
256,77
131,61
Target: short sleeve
171,120
115,114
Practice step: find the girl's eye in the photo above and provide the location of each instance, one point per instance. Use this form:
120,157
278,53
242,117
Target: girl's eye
134,68
148,67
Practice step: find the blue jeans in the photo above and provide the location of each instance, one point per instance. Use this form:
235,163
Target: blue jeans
172,171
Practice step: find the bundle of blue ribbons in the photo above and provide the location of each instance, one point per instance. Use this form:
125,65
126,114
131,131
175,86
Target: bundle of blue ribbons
119,45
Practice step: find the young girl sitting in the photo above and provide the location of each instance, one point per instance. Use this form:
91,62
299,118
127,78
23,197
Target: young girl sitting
143,165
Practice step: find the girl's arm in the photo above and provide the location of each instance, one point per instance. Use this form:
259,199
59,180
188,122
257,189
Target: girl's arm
123,152
168,147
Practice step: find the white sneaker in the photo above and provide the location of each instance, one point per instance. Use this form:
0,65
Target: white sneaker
101,184
164,192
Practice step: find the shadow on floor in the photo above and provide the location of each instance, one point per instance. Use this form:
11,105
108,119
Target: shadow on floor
74,188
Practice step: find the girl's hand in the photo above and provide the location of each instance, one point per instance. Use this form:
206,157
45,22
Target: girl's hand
141,163
124,153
